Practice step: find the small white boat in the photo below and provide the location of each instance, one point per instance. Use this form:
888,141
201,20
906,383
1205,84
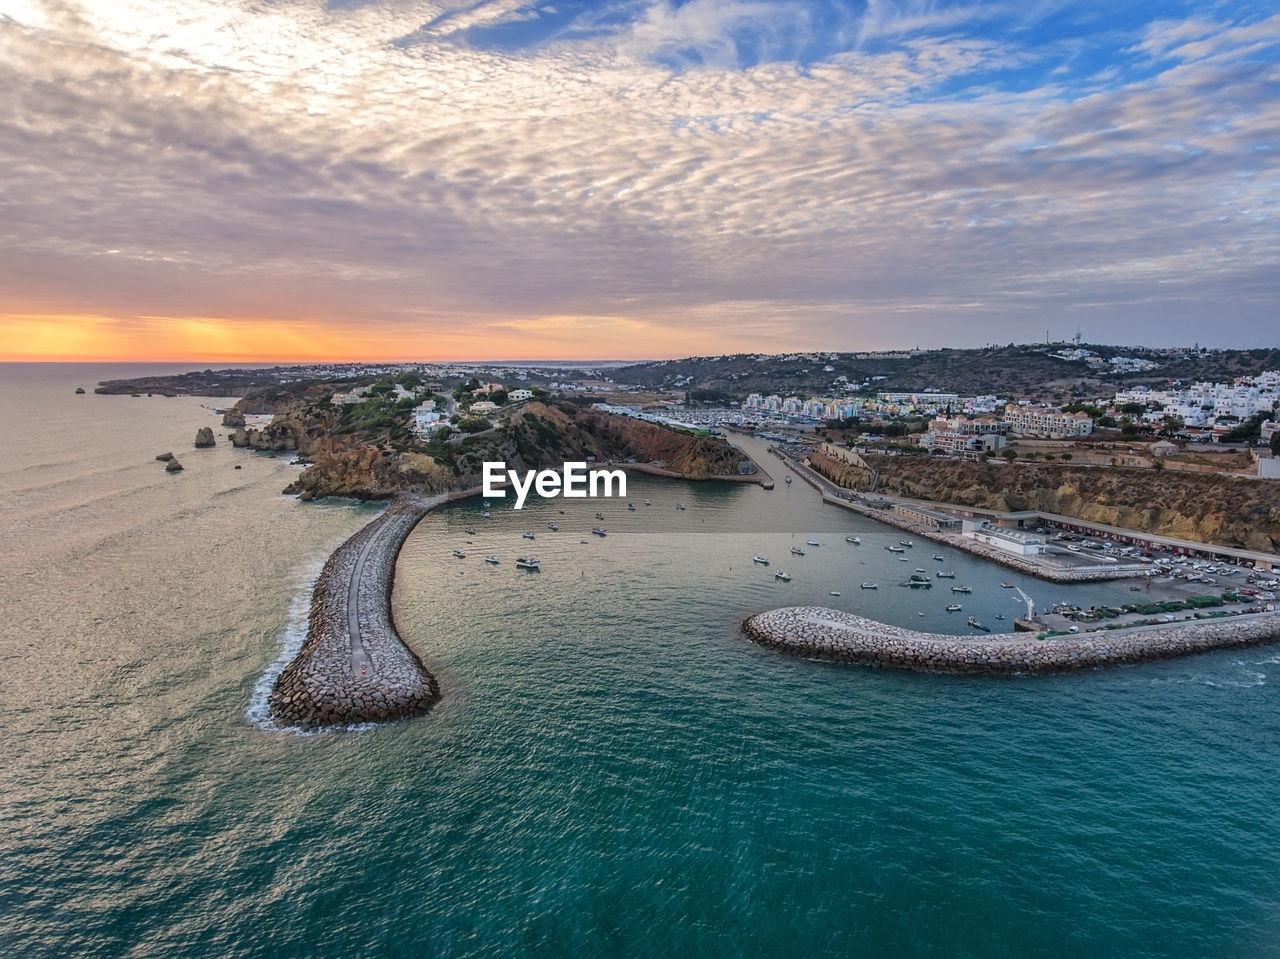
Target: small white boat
961,589
905,542
762,560
945,574
527,535
938,558
1006,585
486,514
919,569
492,559
895,549
785,577
647,503
528,562
977,624
954,607
599,530
461,554
469,531
788,479
554,527
632,507
870,585
797,551
812,542
599,515
835,592
855,540
679,505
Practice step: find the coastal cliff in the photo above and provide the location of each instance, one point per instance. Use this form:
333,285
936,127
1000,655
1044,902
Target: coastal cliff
1209,508
533,436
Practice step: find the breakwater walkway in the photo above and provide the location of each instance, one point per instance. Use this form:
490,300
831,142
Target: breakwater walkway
353,667
816,632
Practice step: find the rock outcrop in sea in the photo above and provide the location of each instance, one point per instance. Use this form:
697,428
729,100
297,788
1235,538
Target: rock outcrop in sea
204,437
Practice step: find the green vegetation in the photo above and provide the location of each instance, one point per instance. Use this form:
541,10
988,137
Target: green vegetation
1250,429
473,424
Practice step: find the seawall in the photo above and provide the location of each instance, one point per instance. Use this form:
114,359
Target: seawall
815,632
845,499
353,667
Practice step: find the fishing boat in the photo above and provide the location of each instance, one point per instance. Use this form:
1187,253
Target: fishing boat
961,589
762,560
954,607
1006,585
895,549
976,624
598,530
554,527
599,515
937,558
812,542
945,574
528,562
797,551
919,582
870,585
527,535
461,554
919,569
855,540
785,577
492,559
905,542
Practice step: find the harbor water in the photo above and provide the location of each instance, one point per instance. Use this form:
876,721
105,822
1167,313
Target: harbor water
612,770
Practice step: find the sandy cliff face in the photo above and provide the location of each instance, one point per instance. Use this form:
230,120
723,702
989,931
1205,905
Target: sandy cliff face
1228,511
535,436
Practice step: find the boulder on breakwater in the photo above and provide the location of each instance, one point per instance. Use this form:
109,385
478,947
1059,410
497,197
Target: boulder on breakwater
829,634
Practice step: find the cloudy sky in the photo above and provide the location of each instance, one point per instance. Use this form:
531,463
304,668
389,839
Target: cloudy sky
294,179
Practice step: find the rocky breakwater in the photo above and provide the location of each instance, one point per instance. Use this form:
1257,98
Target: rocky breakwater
829,634
353,667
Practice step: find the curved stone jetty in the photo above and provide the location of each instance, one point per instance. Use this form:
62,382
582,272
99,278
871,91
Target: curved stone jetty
353,668
830,634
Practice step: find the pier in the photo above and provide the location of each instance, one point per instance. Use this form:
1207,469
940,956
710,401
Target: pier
815,632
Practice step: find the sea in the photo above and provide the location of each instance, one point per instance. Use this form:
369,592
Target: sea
613,769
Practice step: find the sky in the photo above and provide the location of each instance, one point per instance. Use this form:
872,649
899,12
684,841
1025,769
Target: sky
279,180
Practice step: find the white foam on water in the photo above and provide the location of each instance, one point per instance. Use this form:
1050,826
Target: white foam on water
292,637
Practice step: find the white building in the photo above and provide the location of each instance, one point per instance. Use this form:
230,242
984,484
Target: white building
1008,540
426,419
1037,421
521,394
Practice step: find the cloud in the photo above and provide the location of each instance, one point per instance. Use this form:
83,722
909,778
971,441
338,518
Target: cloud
170,158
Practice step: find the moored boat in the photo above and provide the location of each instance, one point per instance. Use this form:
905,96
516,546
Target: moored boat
812,542
461,554
895,549
785,577
554,527
976,624
945,574
855,540
961,589
797,551
954,607
870,585
527,535
528,562
598,530
762,560
1006,585
492,559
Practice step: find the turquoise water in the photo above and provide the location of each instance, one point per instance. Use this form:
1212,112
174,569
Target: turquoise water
613,770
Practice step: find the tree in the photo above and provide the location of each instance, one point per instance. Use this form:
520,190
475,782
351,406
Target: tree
473,424
1066,456
1010,455
499,397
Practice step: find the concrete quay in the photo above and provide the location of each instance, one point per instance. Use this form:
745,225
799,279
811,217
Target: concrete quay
815,632
838,496
353,667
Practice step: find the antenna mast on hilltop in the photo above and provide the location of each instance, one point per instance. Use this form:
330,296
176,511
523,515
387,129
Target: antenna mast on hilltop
1077,337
